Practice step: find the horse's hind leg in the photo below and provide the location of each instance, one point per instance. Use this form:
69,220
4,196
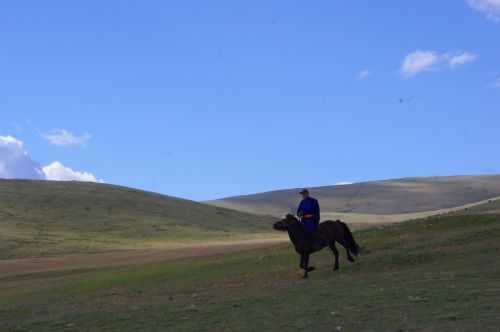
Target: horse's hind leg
349,256
336,254
305,260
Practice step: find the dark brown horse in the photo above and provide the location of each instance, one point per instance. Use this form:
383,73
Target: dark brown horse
329,232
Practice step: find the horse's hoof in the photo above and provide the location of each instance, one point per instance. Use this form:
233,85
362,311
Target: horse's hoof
351,259
335,269
311,268
305,277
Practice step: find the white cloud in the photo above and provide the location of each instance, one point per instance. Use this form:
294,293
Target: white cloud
15,162
63,137
489,7
364,74
343,183
58,172
460,59
420,61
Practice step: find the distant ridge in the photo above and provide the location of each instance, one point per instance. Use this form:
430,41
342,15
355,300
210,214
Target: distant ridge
398,196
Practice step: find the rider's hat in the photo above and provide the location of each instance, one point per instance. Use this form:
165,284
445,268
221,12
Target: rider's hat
304,191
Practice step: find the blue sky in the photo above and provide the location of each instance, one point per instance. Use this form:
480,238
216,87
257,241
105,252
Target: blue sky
204,99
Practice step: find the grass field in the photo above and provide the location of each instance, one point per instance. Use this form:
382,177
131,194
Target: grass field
437,274
42,218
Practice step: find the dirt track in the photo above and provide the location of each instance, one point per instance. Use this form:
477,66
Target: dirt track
13,267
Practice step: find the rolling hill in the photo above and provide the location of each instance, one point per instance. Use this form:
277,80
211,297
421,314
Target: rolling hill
402,197
44,218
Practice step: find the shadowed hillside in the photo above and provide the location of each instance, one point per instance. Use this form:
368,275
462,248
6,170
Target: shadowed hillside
408,195
40,218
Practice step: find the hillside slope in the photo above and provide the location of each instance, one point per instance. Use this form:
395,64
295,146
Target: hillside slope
492,206
400,196
41,218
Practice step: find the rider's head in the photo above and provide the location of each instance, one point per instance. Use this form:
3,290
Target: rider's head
304,193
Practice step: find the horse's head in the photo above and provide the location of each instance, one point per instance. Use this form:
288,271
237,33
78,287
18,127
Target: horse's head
284,224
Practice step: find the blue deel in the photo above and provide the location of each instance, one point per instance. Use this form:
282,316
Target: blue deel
309,206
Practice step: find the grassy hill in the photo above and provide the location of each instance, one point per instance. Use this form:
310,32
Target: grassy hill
390,197
490,207
438,274
45,218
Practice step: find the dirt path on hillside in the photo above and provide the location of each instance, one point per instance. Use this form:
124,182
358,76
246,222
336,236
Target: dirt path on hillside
21,266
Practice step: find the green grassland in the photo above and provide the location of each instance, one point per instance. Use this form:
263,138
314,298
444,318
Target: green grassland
436,274
40,218
376,198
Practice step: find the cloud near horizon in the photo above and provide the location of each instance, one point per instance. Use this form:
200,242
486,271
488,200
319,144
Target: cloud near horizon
491,8
63,137
16,163
421,61
58,172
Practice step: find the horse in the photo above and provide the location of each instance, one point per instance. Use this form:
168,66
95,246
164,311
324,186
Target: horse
306,243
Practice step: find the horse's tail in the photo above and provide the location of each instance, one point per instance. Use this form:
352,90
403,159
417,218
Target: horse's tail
349,239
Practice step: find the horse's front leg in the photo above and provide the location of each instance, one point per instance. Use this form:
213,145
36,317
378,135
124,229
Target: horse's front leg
307,268
302,265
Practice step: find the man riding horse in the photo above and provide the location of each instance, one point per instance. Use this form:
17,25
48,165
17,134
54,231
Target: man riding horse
308,236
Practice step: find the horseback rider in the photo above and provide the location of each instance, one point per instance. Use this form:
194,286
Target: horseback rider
308,211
